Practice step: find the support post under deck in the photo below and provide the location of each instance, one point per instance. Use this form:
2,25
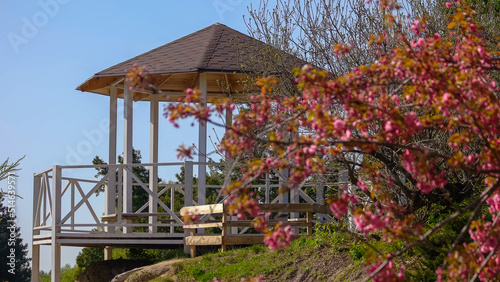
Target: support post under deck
55,221
35,250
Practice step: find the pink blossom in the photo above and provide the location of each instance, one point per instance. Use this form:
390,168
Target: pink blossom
446,97
369,222
388,273
280,238
448,4
494,202
338,124
388,126
340,206
414,27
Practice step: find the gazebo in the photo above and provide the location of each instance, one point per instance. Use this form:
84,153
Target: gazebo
217,60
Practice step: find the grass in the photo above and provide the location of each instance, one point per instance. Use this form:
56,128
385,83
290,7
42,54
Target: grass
331,254
305,257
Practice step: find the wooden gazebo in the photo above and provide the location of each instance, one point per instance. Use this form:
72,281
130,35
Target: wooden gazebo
217,60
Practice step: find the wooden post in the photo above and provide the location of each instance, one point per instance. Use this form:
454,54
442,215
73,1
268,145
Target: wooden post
55,213
224,229
108,253
188,183
188,194
294,199
229,123
309,223
319,198
344,179
172,204
35,260
110,188
284,186
72,205
202,144
192,248
127,151
35,263
119,210
267,199
153,158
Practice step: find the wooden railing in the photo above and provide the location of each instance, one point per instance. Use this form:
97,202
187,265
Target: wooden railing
225,238
65,203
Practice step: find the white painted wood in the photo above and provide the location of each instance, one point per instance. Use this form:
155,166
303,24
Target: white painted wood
202,144
294,199
35,263
120,165
84,198
188,183
151,194
89,206
41,173
142,235
110,191
56,220
124,242
108,253
319,199
283,187
120,194
268,189
68,184
127,149
153,158
72,204
305,197
46,194
35,249
36,200
45,227
229,123
188,194
172,202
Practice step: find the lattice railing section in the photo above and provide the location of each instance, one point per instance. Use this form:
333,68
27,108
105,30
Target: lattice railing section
69,200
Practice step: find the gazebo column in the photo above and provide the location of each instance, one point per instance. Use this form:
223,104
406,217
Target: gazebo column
111,187
229,122
153,158
202,144
127,152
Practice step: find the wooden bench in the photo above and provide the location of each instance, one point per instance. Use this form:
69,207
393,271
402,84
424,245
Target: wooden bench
224,239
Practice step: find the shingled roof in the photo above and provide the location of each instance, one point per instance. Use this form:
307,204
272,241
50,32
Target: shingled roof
216,49
213,48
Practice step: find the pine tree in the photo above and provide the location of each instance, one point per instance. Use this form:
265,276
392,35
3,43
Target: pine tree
13,252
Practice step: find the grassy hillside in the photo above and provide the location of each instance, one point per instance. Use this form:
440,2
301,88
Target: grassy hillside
331,254
325,256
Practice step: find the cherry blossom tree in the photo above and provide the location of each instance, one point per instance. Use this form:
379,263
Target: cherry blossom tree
413,125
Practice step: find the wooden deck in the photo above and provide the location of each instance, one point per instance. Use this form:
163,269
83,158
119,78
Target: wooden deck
117,240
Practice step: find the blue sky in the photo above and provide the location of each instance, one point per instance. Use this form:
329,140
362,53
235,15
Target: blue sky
49,47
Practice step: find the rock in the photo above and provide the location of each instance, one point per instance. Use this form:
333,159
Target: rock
105,271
